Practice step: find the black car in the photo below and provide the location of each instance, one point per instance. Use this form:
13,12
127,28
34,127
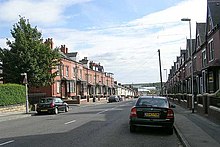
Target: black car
113,98
51,105
152,111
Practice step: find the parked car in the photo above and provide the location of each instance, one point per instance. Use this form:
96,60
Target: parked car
120,98
152,111
51,105
113,98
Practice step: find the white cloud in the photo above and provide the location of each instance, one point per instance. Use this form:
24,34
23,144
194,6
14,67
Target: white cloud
47,12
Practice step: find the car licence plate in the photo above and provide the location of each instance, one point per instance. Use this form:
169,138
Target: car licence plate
156,115
43,110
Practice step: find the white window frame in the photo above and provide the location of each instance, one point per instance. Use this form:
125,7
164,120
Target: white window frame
204,58
67,71
211,50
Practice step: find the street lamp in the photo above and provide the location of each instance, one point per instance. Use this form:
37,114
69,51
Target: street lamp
189,20
26,90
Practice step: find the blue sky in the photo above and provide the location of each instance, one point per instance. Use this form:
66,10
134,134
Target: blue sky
123,35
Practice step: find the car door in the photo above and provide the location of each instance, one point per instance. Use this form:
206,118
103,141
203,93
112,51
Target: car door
61,104
57,103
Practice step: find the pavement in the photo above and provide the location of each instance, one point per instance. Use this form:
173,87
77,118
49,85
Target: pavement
192,129
195,130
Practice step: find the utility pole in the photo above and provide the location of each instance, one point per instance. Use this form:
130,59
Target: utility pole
161,82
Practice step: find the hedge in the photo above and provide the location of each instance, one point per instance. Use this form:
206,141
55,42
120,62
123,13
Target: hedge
12,94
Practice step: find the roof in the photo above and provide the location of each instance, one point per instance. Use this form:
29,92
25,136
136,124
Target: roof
188,45
201,31
214,10
73,54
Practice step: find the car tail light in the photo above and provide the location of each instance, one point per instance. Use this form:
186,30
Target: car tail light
170,113
133,112
52,105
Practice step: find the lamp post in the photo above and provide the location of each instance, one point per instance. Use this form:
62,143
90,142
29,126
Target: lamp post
26,91
191,49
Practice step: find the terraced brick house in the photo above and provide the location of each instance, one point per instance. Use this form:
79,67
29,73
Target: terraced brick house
206,67
77,78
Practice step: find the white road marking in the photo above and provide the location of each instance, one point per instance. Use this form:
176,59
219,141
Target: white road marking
70,122
114,108
6,142
102,111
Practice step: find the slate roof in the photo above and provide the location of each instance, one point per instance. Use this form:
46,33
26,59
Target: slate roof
73,54
201,31
188,45
214,9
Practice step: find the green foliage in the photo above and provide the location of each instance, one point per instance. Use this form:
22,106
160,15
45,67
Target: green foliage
11,94
28,54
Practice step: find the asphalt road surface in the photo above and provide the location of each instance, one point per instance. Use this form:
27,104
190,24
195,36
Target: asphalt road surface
100,125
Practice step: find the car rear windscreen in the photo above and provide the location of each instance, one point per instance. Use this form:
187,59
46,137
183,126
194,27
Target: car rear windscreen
49,100
152,102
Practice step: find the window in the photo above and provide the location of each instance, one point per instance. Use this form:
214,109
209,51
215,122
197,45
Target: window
80,73
68,86
211,77
203,81
62,70
211,50
201,85
209,24
73,72
204,60
198,41
67,71
156,102
58,87
72,88
58,70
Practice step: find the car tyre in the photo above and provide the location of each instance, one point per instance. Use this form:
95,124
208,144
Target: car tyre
56,111
66,109
132,128
170,131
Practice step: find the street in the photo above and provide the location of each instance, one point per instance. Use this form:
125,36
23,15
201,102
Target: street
92,125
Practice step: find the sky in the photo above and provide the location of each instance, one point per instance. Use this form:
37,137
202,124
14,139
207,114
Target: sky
124,36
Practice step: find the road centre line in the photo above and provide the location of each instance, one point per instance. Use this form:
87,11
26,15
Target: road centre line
102,111
108,110
4,143
69,122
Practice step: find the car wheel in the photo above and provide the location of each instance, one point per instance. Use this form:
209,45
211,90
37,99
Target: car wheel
55,111
66,109
170,131
132,128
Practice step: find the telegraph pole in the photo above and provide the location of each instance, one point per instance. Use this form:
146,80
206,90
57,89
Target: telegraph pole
161,82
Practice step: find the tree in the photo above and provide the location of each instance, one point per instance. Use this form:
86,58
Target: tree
28,54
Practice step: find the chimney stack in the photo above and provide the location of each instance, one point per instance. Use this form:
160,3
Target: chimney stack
64,49
49,41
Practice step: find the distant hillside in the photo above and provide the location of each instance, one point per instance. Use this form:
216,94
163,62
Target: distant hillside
157,85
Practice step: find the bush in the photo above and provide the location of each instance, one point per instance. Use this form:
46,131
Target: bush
11,94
